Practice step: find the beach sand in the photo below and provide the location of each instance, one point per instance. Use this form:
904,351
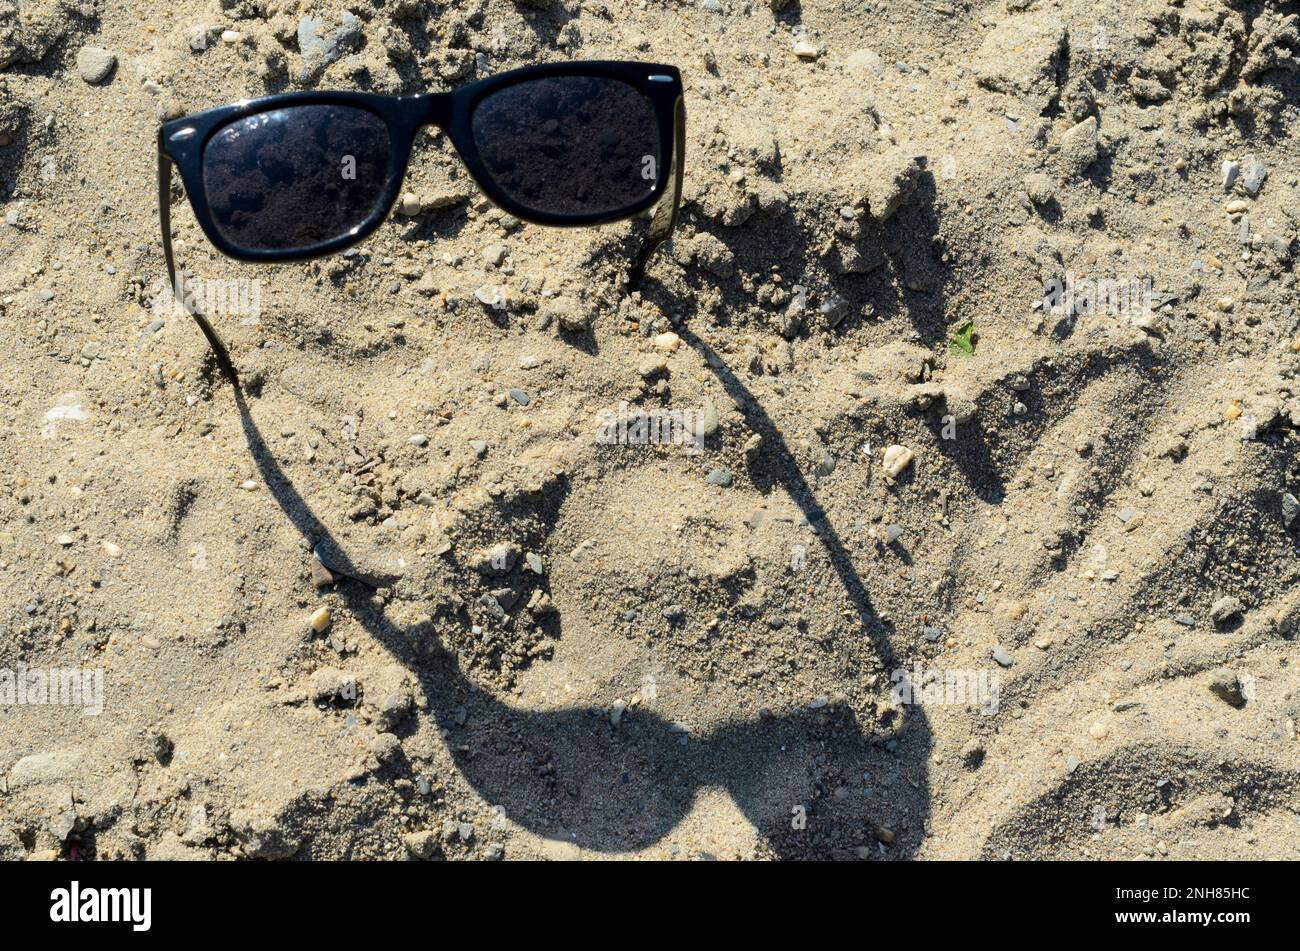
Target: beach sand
517,640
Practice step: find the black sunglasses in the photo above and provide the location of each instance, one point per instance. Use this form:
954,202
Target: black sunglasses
301,175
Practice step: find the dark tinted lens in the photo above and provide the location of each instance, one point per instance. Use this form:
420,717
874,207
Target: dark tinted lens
569,145
292,178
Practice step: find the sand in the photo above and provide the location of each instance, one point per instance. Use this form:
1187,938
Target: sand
986,315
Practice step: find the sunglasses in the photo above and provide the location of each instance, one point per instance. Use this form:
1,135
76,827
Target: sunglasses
301,175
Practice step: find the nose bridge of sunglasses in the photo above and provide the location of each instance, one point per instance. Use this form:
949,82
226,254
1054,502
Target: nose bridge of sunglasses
431,108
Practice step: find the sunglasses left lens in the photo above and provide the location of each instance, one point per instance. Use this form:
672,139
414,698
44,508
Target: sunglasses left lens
292,178
570,145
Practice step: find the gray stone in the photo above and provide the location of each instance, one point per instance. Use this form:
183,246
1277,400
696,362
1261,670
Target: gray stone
1290,509
94,64
835,308
1230,172
491,295
1253,174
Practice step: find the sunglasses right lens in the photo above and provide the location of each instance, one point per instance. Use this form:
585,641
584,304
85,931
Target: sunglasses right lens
570,145
292,178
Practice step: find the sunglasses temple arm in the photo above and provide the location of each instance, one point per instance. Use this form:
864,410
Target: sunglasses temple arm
665,216
164,216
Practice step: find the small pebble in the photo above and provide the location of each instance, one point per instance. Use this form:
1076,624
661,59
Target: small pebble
896,459
1230,171
1290,509
806,50
1253,174
94,64
708,418
491,295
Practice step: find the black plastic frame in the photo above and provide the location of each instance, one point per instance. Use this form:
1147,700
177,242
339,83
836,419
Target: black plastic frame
182,141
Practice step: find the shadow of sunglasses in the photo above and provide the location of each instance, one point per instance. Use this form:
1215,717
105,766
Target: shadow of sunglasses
302,175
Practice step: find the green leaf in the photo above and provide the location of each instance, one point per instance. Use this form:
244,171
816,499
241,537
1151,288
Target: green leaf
963,341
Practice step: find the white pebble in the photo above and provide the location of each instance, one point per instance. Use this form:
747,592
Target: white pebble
805,50
897,458
667,341
409,205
